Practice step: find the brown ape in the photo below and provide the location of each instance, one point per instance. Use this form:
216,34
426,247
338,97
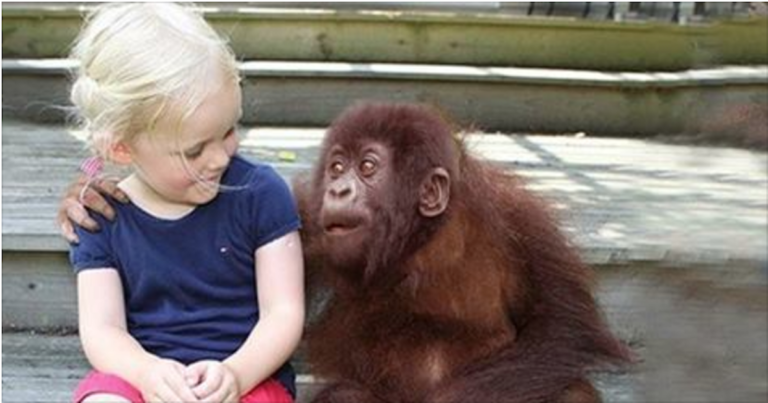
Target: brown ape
450,282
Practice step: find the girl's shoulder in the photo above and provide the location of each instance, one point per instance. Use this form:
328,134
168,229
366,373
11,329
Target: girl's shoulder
255,176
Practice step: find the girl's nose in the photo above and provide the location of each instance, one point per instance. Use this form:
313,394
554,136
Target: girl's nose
219,158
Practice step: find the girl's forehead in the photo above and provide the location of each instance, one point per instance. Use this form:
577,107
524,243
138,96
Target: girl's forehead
222,104
217,112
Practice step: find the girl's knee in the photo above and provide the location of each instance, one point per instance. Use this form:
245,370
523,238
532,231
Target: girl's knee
105,398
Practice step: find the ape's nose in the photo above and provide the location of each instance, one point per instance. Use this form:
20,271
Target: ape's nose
341,188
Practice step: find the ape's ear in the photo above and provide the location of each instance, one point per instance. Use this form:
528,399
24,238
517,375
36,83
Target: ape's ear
435,193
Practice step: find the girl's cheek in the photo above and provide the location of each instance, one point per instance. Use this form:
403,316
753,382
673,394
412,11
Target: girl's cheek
232,144
183,176
182,180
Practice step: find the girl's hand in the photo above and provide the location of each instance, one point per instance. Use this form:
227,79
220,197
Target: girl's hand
166,381
215,382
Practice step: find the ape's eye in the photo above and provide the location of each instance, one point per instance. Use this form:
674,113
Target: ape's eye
367,167
337,168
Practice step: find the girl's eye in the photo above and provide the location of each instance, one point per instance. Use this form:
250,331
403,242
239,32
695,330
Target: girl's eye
367,167
229,133
193,153
337,168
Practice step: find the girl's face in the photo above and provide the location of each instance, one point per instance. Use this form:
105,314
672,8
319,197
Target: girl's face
187,168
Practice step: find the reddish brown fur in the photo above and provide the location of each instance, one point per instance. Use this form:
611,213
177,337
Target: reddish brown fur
486,303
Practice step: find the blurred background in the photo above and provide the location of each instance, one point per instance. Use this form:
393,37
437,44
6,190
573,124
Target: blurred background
645,124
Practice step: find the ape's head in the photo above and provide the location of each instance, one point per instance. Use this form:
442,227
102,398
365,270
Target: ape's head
382,186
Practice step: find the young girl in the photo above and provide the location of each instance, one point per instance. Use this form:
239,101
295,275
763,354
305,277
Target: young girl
195,291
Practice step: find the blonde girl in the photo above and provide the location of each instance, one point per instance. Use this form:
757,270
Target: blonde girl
194,291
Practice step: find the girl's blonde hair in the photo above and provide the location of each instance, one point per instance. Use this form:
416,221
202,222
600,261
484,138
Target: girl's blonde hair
140,62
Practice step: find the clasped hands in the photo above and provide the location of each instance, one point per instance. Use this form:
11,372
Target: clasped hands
208,381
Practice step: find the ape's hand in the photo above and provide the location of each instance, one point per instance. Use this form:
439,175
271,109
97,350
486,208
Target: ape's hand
72,209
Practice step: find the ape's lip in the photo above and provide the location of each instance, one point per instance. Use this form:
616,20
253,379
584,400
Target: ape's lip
339,226
340,230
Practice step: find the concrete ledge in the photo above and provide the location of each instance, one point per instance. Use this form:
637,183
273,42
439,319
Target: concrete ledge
504,99
439,37
721,76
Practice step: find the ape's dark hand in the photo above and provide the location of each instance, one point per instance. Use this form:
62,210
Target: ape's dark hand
72,209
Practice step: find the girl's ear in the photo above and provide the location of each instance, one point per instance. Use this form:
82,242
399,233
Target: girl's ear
120,153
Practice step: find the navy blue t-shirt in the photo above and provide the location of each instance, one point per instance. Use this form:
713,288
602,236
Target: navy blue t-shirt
189,284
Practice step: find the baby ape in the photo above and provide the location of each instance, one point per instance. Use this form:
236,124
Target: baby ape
449,281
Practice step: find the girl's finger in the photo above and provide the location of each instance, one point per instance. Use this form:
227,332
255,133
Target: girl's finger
181,391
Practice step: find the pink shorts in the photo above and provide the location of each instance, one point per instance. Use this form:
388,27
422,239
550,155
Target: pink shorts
269,391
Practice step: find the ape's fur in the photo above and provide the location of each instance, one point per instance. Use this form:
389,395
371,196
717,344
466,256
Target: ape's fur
484,302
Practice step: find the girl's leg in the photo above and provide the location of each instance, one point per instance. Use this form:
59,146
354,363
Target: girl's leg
105,398
345,392
107,388
269,391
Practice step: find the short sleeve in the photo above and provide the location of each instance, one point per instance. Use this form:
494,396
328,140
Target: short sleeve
94,250
274,208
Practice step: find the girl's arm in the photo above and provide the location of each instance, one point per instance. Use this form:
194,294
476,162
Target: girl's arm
111,349
280,279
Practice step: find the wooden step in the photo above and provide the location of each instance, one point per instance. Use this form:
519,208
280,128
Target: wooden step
700,336
621,201
44,368
39,368
597,36
724,102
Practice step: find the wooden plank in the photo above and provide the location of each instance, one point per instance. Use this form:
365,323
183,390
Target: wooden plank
700,335
38,291
417,36
618,192
528,100
55,364
42,368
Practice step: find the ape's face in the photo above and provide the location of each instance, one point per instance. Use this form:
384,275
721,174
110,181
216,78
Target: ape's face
355,187
380,190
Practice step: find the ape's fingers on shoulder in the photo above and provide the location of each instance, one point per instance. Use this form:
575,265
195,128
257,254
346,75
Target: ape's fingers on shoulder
108,186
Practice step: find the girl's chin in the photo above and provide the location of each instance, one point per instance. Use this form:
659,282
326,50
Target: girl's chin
202,197
206,193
